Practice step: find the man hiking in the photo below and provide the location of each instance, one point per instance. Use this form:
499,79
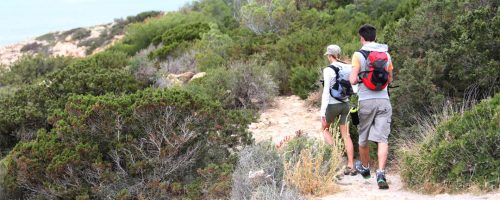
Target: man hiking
336,108
372,67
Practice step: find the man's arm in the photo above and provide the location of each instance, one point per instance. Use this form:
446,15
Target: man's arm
355,70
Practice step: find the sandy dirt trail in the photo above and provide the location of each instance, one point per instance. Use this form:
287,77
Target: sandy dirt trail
288,114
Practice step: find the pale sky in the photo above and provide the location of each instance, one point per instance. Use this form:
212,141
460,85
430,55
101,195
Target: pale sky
23,19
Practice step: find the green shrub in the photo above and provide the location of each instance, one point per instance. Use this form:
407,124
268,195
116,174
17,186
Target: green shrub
268,17
143,69
303,81
459,153
243,85
438,57
212,50
141,142
25,111
176,37
80,34
30,69
97,75
31,47
77,31
140,35
222,11
266,164
49,37
143,16
280,74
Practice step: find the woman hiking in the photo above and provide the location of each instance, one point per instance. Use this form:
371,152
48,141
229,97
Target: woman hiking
334,109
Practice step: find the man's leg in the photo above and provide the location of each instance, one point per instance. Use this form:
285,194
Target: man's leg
364,155
383,150
379,133
367,113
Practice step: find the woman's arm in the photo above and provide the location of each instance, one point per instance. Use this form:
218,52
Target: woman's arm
328,75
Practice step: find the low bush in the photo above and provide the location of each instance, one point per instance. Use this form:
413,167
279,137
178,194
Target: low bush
93,43
29,69
260,175
458,151
140,35
243,85
302,165
80,34
49,37
312,166
143,16
151,144
25,111
213,49
185,62
143,69
31,47
177,37
304,80
268,17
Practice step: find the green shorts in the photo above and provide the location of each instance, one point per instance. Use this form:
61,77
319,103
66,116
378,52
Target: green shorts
336,111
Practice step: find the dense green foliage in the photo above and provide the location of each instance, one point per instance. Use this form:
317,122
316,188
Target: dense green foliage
141,35
302,81
176,37
30,69
89,127
461,153
118,28
26,110
243,85
444,50
110,144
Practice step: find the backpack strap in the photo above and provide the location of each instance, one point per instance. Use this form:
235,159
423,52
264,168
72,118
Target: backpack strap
363,71
365,53
336,70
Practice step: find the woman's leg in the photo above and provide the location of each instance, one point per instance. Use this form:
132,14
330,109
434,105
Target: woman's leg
327,136
344,130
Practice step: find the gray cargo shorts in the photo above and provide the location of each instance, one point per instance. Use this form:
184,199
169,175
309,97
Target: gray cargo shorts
374,120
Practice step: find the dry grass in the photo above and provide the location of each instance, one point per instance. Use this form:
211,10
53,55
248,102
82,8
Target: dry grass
316,169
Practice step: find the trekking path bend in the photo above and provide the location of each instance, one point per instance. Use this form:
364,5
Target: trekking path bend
289,114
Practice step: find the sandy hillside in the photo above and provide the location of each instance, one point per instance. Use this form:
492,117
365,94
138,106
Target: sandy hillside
60,43
290,114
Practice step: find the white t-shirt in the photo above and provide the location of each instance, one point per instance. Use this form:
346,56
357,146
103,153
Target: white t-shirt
329,78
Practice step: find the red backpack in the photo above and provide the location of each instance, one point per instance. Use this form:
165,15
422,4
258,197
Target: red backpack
376,77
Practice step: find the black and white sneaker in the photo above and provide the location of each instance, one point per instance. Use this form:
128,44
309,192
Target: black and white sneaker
381,181
364,171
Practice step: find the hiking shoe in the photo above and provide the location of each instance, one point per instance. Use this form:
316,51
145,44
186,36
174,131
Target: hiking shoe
381,181
350,171
364,171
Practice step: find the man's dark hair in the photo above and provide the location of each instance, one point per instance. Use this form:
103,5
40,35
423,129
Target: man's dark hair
368,32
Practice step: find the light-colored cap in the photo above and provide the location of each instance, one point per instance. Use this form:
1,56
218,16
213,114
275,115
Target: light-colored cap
333,50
